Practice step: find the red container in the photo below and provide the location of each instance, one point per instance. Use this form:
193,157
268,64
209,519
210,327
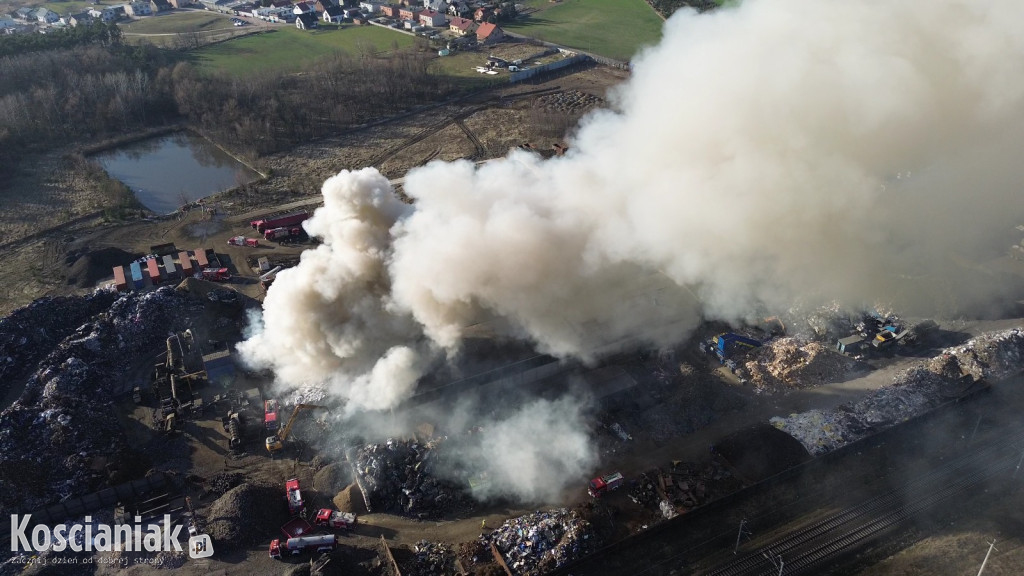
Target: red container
186,264
119,282
154,270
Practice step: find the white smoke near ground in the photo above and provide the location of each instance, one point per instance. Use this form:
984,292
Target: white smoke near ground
781,150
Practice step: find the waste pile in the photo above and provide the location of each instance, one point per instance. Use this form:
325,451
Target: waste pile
400,476
569,101
431,559
682,486
794,363
50,437
824,323
914,391
537,543
247,515
30,333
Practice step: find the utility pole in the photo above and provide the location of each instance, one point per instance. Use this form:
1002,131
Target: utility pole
1019,462
975,429
991,547
775,559
739,535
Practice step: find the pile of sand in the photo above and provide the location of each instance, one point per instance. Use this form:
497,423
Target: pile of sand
350,500
332,478
247,515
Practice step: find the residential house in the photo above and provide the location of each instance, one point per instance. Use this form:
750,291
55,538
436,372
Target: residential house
350,13
80,19
334,14
459,8
488,33
360,20
436,5
180,3
105,15
389,10
461,26
281,4
137,9
321,6
159,5
47,16
120,11
409,13
305,21
7,23
433,19
368,7
25,14
482,13
303,8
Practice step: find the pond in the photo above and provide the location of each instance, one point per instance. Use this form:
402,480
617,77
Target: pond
168,171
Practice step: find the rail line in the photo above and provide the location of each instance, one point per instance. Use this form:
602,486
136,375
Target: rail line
809,547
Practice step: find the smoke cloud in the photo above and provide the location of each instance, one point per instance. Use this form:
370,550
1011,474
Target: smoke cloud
781,150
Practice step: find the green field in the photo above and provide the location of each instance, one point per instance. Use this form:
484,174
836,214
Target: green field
287,47
177,22
613,28
462,65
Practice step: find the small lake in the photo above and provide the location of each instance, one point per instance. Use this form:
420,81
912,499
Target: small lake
168,171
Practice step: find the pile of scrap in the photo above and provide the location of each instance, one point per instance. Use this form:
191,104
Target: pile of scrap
914,391
682,487
431,559
398,476
794,363
537,543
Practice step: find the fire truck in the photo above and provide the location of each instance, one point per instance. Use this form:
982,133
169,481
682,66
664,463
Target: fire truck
294,496
335,519
604,484
318,543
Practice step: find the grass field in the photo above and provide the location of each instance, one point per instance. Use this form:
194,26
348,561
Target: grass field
462,65
285,46
613,28
178,22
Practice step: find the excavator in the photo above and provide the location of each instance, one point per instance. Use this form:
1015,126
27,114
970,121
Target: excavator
276,442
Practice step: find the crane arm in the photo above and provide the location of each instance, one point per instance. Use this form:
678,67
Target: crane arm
291,420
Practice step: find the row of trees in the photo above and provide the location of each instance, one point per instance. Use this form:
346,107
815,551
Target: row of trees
81,35
49,98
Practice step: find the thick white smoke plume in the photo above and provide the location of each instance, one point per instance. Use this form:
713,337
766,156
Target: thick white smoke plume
783,149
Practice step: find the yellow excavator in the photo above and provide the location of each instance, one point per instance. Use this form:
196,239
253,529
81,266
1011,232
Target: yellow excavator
276,442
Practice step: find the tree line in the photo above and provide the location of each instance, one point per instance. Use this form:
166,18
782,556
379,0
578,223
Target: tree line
50,98
69,37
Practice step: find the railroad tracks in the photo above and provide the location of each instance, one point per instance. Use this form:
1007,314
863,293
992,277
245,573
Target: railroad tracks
810,547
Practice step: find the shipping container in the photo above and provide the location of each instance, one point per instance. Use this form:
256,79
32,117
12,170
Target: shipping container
169,270
119,281
137,280
154,271
185,263
201,261
292,219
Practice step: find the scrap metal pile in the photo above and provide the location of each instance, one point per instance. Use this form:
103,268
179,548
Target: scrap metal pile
537,543
430,559
682,486
913,392
794,363
400,476
62,421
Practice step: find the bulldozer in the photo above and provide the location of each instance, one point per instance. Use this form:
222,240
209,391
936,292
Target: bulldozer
276,442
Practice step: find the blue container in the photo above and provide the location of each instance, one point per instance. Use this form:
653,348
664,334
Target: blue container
137,275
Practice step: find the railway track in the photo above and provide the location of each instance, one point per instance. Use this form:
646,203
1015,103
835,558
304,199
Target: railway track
808,548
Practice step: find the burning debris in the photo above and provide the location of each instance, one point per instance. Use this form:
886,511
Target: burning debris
399,476
537,543
682,487
913,392
795,363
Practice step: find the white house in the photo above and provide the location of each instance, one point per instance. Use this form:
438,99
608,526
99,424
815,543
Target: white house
334,14
368,7
47,16
436,5
104,15
138,9
432,18
305,21
303,8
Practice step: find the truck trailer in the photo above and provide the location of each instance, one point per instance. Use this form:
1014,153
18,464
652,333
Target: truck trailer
318,543
120,283
268,223
136,271
154,271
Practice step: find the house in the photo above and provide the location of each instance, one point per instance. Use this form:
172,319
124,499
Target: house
138,9
389,10
334,14
281,4
369,7
47,16
159,5
433,19
105,15
7,23
180,3
302,8
350,13
305,21
409,12
25,14
482,13
461,26
80,19
322,5
459,8
436,5
359,20
488,33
